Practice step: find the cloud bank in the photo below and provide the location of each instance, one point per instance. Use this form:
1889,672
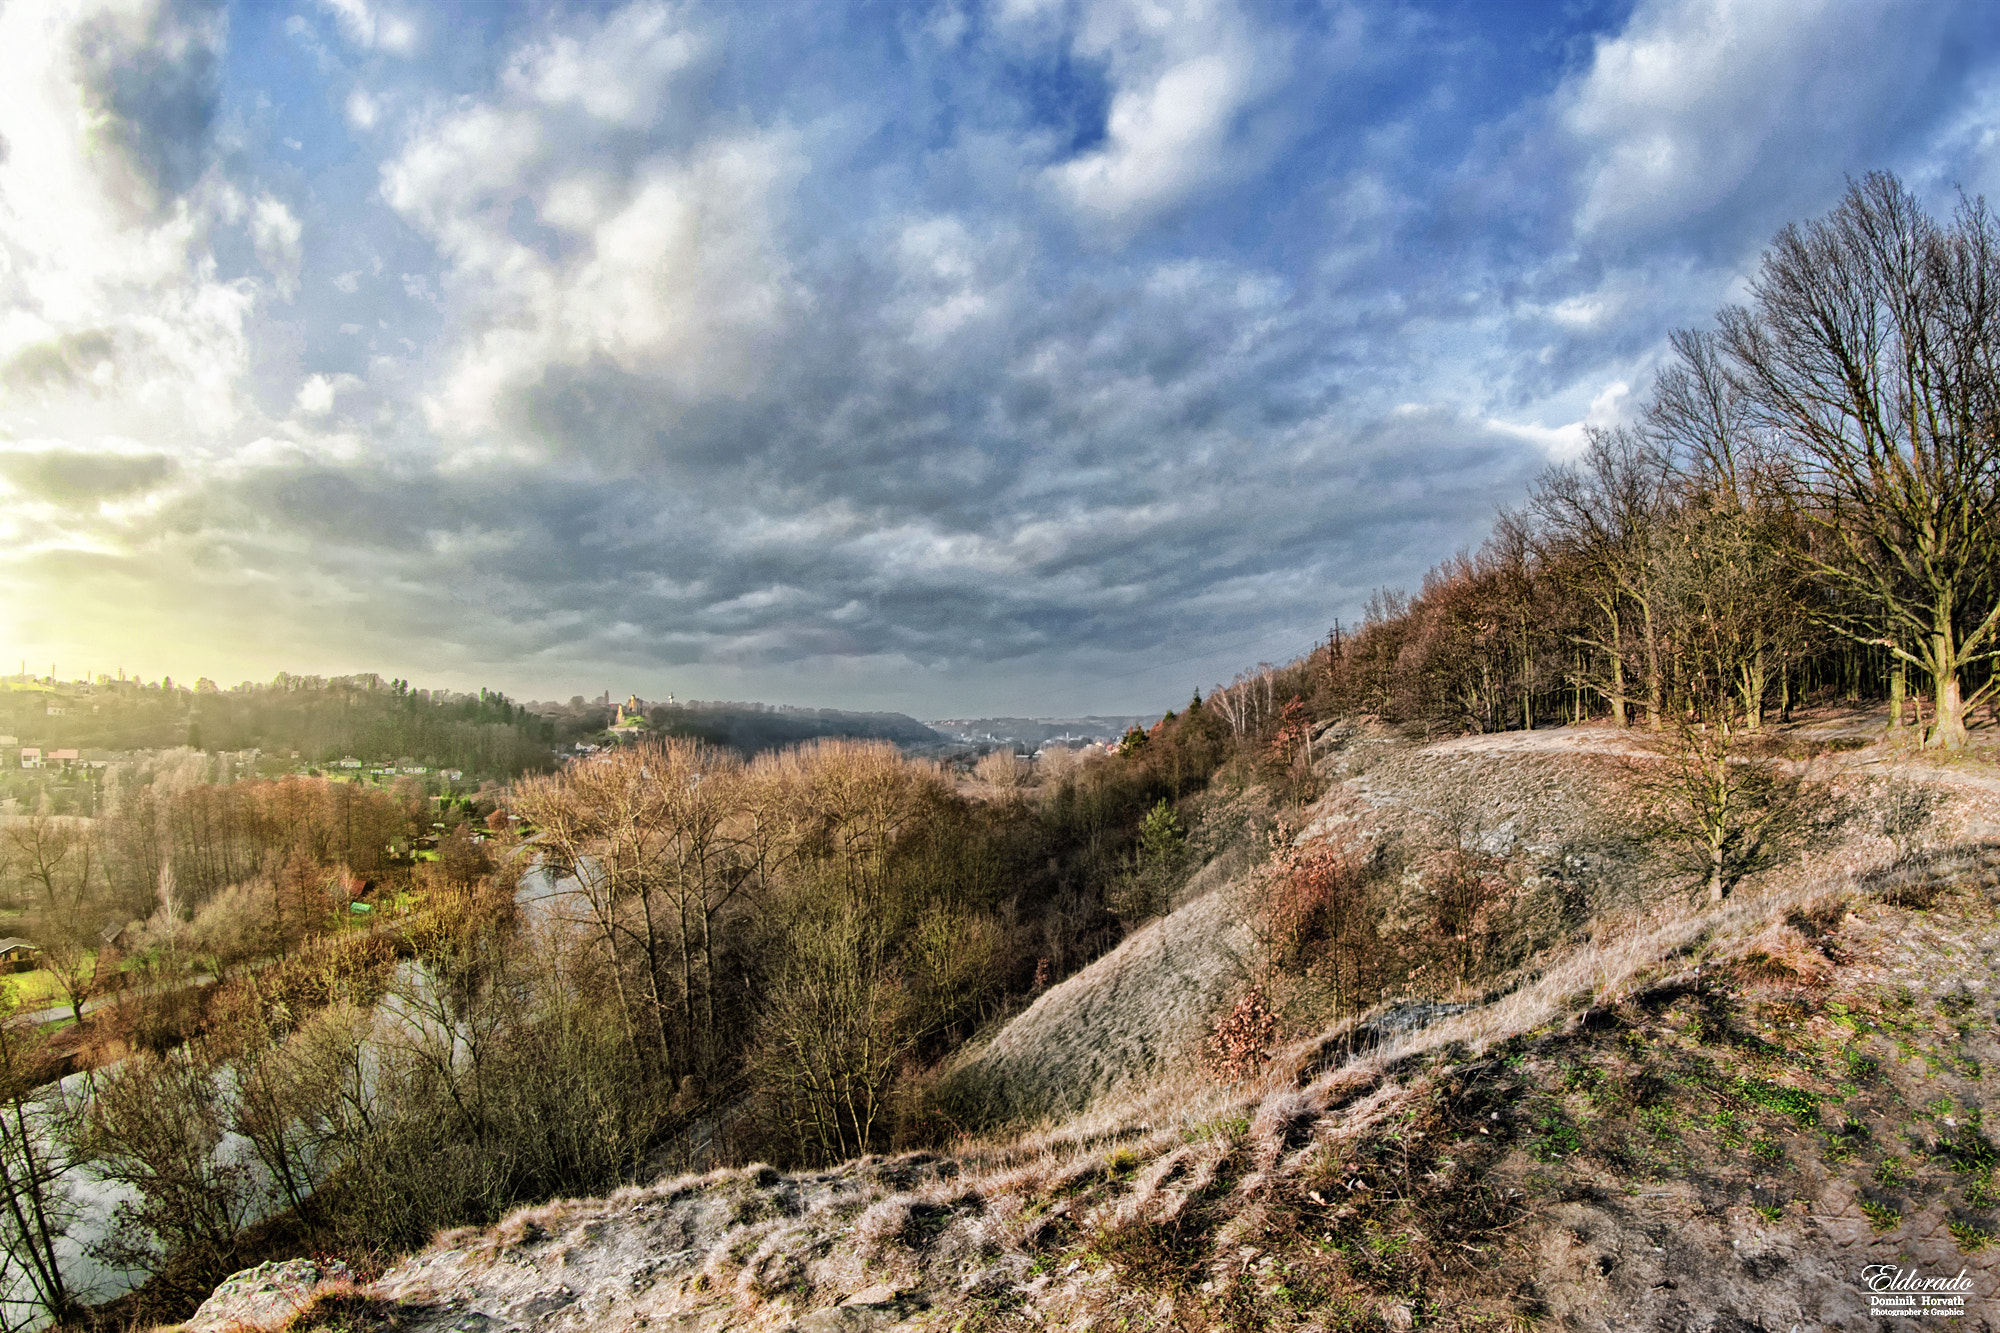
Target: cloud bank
1024,356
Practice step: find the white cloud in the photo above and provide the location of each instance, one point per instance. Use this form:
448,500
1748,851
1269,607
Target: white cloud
116,322
673,265
417,286
1166,135
362,110
276,235
620,71
374,27
950,279
1184,75
1679,109
317,393
1565,442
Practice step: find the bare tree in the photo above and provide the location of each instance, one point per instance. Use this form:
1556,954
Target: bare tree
1246,701
1510,553
1598,517
836,1026
1721,800
1870,352
58,858
35,1206
157,1125
1732,491
654,836
54,856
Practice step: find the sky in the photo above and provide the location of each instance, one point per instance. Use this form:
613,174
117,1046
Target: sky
958,358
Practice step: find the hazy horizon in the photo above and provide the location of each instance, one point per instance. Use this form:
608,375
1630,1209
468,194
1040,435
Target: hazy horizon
605,696
1031,358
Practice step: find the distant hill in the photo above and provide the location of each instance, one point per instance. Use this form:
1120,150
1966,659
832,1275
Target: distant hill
750,728
1035,732
322,719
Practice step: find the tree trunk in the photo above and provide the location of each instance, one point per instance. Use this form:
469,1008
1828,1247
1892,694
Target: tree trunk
1949,732
1895,695
1754,674
1655,683
1527,681
1618,718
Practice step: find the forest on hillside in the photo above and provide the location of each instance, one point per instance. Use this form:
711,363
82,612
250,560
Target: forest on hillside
775,957
1809,500
322,719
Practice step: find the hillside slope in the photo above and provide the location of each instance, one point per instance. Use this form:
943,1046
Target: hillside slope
1672,1118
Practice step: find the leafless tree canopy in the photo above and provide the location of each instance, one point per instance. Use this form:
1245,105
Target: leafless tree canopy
1868,355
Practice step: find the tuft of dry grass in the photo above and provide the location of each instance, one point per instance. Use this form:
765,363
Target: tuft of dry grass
1783,953
341,1307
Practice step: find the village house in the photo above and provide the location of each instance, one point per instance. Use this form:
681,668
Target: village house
31,757
17,955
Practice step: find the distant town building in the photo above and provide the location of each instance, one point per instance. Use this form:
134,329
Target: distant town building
31,757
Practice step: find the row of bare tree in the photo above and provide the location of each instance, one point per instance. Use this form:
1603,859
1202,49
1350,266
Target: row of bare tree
1810,497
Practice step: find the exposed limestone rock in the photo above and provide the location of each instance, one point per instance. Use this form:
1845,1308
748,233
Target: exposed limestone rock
265,1297
1132,1015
